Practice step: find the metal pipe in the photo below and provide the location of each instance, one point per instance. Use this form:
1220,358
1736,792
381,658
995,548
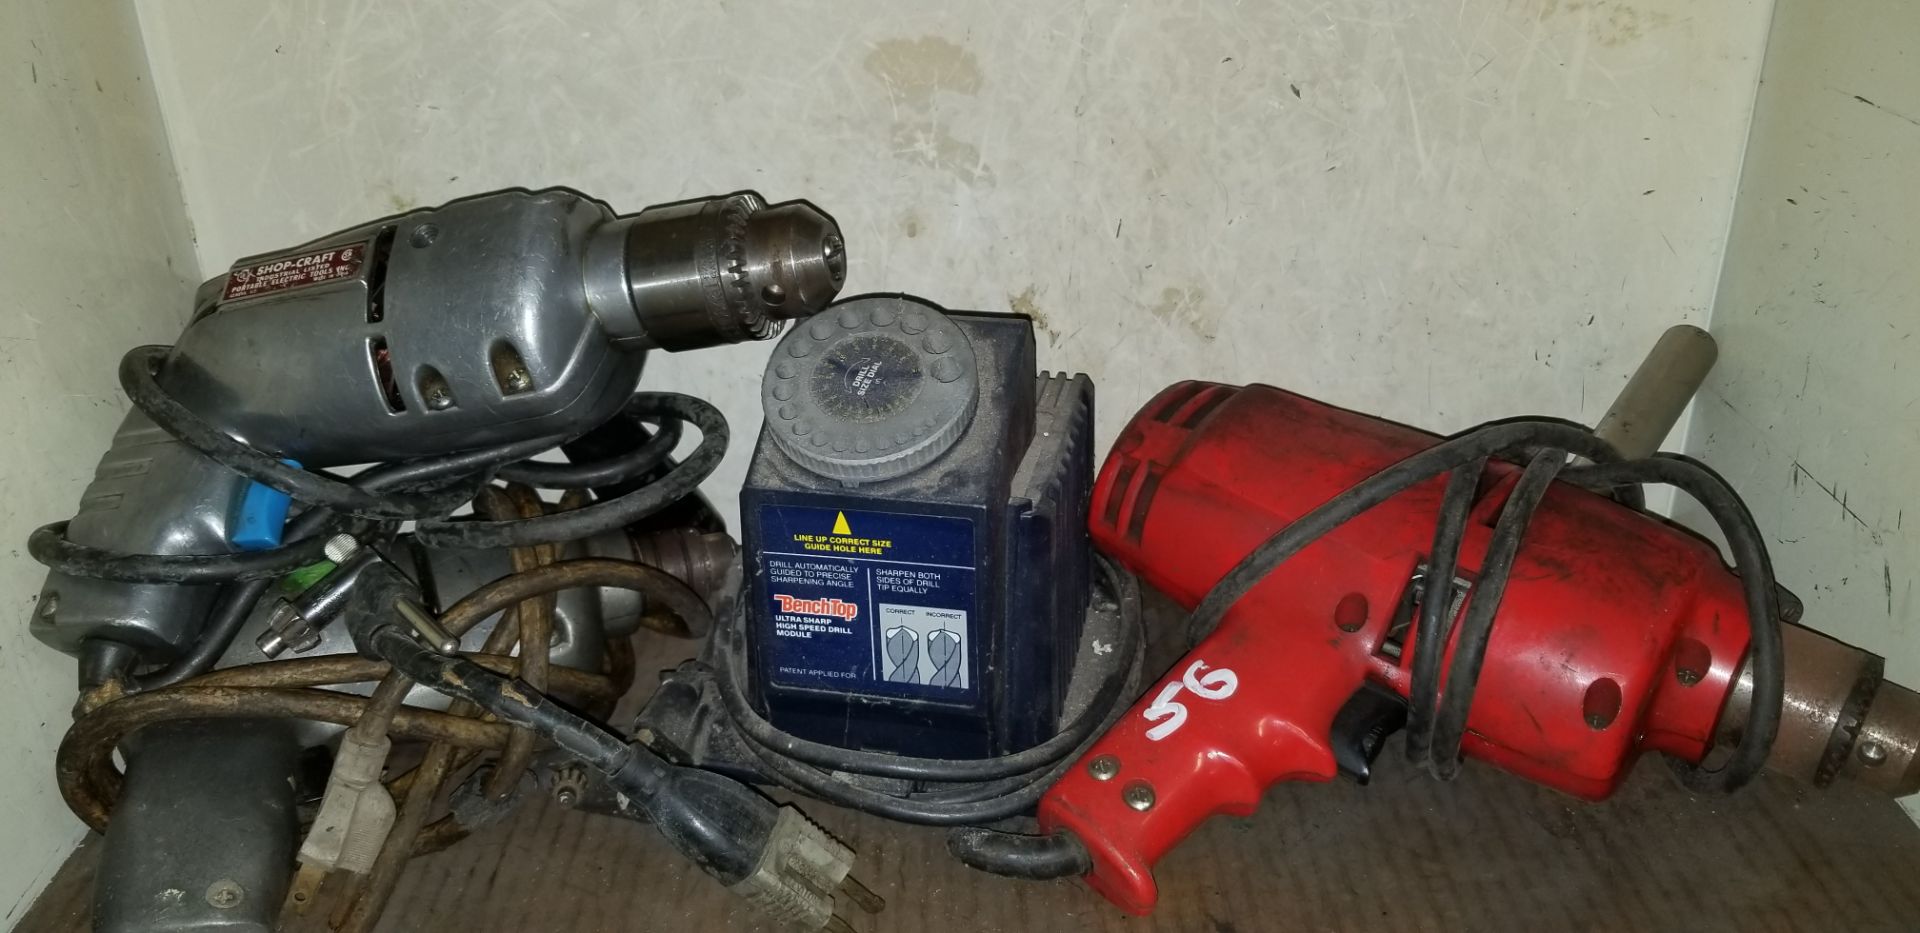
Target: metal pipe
1658,391
424,625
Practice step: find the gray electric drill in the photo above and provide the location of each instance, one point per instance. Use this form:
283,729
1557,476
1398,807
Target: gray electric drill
448,346
500,321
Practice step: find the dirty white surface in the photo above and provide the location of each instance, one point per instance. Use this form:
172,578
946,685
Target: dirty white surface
1814,410
95,255
1441,212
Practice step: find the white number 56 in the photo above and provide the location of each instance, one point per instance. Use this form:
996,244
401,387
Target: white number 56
1169,714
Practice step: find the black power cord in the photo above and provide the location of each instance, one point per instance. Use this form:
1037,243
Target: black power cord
607,514
648,456
1444,717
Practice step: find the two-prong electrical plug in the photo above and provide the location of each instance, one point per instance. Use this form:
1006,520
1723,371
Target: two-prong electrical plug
769,854
800,874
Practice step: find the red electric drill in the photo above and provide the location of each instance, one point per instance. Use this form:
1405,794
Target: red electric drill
1616,632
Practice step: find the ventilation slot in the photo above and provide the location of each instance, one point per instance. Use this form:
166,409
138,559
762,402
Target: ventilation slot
1171,400
1117,493
382,360
377,276
1216,397
1142,503
509,370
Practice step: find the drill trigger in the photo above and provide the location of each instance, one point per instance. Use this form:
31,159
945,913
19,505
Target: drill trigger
1361,728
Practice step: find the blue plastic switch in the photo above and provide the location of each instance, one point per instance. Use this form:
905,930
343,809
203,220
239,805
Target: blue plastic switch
261,518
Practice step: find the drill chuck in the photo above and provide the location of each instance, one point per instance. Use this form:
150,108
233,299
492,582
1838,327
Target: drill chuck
704,273
1840,718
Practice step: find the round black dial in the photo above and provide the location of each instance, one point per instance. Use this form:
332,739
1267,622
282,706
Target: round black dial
866,378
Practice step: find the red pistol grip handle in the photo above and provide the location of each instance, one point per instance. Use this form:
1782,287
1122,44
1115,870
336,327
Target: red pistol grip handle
1230,720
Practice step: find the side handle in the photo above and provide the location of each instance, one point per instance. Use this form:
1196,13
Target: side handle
150,494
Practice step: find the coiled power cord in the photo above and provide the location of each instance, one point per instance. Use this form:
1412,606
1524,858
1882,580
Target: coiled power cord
375,502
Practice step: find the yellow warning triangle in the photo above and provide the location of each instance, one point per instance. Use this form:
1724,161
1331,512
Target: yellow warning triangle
840,524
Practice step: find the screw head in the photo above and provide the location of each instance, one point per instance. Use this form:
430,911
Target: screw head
518,380
1103,768
423,236
1687,676
225,894
340,547
1872,753
566,796
1138,795
439,398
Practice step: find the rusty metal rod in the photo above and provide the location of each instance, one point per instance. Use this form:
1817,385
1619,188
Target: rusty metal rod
536,645
89,782
333,670
1645,411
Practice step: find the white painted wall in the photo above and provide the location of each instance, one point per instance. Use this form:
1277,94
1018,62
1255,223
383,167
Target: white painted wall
1442,212
95,256
1814,410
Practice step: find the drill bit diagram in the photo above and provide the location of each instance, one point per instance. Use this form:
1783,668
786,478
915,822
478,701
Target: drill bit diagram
903,656
924,646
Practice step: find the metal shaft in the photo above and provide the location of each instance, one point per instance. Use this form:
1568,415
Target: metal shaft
1647,409
426,626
